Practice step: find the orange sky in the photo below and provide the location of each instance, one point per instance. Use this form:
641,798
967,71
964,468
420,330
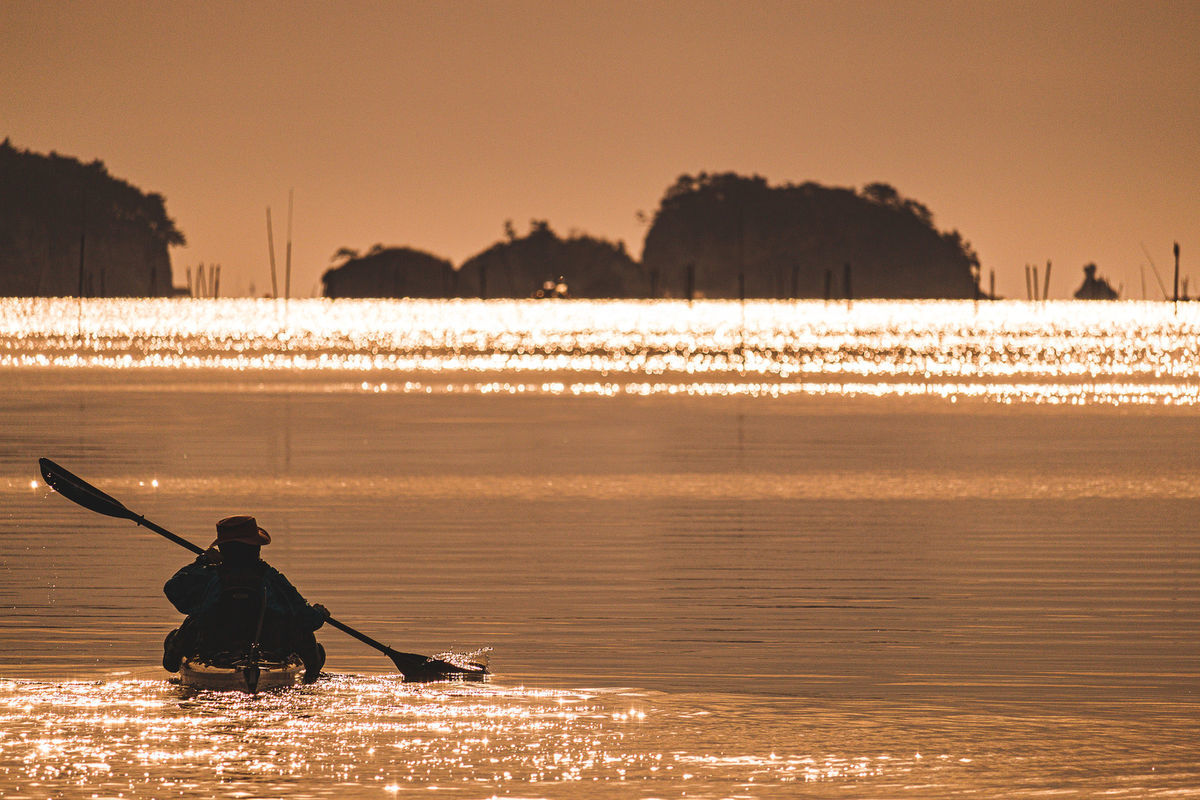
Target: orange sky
1066,131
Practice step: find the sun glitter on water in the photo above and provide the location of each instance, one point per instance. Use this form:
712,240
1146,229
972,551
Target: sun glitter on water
356,736
1062,352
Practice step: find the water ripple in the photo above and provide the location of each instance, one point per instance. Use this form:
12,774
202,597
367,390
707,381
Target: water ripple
372,736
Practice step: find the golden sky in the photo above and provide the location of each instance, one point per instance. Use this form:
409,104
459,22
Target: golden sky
1045,130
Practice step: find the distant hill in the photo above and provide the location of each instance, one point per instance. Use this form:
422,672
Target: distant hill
712,235
519,266
795,240
391,272
52,205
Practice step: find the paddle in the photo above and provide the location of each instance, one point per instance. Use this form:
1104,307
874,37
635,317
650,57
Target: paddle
77,490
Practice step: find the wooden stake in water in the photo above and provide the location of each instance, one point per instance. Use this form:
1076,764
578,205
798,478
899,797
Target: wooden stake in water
1046,289
1028,284
742,301
1154,267
82,239
287,279
1177,277
271,251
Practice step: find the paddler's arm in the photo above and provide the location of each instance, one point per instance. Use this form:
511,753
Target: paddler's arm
188,587
310,616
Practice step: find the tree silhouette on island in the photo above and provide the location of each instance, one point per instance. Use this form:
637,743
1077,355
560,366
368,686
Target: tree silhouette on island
712,236
521,266
517,267
390,272
69,228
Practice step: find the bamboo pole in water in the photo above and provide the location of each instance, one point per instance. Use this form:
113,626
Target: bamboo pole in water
1177,277
1153,266
1028,285
82,240
287,279
742,300
271,251
1046,289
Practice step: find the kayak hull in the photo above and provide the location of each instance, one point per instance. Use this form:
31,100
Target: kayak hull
249,677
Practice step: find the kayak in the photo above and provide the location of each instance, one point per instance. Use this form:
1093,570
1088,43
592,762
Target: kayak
235,675
243,676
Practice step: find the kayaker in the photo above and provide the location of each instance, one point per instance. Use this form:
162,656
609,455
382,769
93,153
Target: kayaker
232,599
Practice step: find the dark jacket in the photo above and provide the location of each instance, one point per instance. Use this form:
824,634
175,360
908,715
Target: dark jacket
201,590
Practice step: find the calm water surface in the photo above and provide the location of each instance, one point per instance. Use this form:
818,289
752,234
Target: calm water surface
707,564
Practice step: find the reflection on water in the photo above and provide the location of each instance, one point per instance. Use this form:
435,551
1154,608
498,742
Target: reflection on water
375,737
1064,352
868,484
830,573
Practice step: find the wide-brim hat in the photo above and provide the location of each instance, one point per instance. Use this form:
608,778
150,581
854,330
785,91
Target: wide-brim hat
241,528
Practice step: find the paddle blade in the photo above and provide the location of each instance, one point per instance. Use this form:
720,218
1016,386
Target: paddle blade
420,669
77,490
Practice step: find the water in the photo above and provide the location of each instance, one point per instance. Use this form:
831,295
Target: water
704,570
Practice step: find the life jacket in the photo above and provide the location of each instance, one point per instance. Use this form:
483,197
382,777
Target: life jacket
240,617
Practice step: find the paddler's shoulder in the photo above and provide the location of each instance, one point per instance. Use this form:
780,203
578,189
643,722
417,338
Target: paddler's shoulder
201,566
268,571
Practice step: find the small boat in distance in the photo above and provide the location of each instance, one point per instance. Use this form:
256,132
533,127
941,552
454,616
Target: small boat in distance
1095,288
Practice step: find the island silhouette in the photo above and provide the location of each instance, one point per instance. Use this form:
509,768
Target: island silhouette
716,236
72,229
